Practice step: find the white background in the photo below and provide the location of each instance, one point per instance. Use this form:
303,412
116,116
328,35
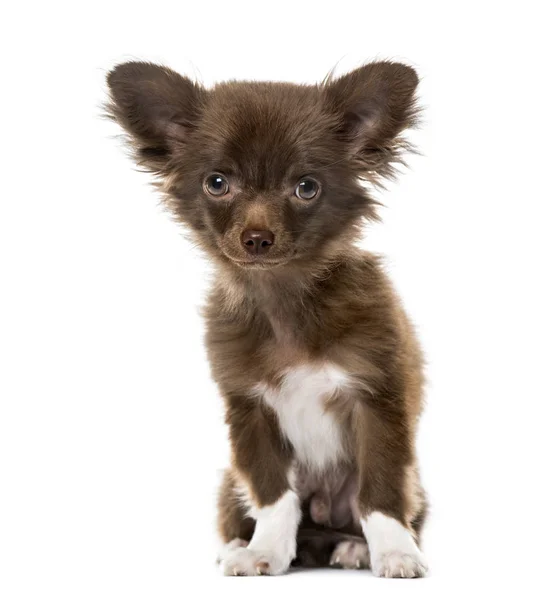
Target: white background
111,431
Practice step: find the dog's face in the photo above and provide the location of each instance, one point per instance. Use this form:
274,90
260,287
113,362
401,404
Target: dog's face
266,173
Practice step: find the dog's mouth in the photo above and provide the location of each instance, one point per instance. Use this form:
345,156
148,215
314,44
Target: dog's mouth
260,263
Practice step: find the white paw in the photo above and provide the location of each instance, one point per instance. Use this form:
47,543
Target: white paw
351,554
229,547
247,561
393,551
396,563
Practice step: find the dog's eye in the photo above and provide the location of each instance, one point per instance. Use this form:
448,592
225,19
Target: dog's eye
216,185
307,189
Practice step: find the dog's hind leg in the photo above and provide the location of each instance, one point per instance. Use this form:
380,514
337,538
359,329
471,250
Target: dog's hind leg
234,526
324,547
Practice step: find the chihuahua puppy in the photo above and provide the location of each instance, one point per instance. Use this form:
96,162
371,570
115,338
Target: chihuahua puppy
318,365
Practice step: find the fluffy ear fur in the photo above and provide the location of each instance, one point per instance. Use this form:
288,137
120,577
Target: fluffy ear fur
156,106
375,104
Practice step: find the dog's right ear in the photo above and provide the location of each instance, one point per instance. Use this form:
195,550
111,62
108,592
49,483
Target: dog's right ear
157,107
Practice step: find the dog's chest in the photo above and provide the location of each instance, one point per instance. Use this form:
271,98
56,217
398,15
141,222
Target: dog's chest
299,403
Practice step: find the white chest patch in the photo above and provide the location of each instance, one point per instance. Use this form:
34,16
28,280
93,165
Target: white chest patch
299,403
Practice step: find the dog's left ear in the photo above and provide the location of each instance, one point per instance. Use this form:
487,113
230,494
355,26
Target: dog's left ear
374,104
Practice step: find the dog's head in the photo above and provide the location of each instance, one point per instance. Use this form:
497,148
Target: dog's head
266,173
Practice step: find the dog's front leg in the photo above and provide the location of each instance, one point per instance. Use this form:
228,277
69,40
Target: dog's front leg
385,457
261,462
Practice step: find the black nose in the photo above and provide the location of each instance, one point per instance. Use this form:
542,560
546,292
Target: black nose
257,242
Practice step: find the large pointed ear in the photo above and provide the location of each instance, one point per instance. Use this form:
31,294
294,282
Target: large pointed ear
157,107
374,105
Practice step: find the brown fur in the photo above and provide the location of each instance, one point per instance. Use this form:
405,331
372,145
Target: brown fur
313,298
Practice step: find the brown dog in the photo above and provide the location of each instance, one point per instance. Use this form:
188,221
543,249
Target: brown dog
316,360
